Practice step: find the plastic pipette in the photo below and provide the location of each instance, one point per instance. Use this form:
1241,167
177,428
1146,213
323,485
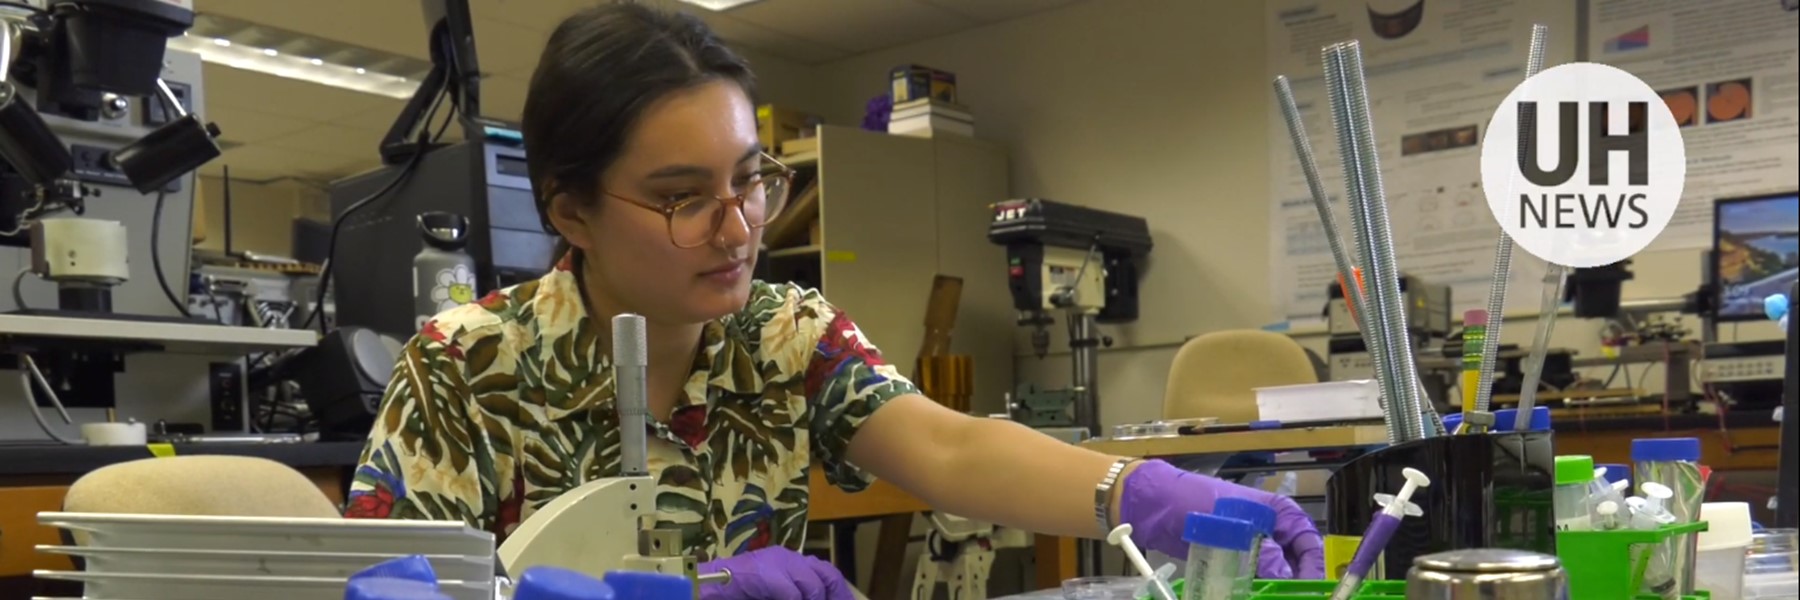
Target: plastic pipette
1375,539
1121,537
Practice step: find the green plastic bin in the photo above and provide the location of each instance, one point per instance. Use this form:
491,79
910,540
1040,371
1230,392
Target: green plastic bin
1598,565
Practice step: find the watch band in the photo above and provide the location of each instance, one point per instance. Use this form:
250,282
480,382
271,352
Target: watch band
1103,495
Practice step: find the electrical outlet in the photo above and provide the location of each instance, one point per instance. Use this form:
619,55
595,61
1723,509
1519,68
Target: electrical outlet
226,385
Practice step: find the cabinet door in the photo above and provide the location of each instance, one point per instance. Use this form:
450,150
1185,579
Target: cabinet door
971,176
880,241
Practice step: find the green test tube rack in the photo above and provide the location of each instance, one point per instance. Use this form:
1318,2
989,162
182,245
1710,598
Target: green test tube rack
1598,565
1371,590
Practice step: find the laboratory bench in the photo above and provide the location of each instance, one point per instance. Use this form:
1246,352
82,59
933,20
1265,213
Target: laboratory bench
34,476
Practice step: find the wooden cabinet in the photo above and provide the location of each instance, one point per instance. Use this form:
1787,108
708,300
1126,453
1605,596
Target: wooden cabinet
894,212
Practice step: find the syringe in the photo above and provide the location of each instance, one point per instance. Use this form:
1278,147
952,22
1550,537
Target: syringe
1607,516
1375,538
1121,537
1601,492
1650,513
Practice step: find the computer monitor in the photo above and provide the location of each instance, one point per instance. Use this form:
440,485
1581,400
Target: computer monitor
1756,252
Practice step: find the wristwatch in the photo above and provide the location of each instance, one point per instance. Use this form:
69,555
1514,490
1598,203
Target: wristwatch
1103,494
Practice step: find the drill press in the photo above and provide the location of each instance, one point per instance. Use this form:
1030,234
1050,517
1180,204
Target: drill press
1075,260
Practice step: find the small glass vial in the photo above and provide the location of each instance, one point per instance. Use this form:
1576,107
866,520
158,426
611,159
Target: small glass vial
1218,566
1574,479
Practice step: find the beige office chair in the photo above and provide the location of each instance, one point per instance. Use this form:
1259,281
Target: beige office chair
227,486
1216,374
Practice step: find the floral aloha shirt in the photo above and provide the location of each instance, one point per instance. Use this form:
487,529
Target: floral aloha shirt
497,407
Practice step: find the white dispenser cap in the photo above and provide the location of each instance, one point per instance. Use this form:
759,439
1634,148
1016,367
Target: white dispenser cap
1727,526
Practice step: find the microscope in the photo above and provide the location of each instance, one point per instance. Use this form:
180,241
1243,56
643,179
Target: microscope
1084,263
87,60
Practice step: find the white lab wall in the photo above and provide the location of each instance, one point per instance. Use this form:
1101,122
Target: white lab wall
1147,107
1172,127
784,82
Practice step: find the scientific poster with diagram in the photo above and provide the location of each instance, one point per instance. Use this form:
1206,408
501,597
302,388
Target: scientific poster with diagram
1727,70
1436,71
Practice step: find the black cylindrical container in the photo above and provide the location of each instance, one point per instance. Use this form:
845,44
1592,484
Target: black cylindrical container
1487,491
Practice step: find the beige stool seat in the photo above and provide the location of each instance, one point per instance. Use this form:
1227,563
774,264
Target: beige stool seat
200,485
1216,374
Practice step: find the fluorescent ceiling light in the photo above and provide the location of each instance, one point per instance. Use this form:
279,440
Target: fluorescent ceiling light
269,61
718,5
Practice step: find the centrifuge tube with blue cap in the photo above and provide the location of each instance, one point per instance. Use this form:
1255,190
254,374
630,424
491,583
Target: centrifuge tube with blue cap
400,578
1259,516
1217,550
633,585
1375,538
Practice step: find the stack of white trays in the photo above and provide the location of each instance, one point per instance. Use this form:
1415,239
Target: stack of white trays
170,557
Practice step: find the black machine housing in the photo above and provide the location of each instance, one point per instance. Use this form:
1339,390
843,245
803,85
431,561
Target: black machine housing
483,180
1026,226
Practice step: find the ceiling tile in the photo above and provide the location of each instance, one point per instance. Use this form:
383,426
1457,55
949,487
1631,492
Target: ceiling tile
855,25
379,119
395,26
293,98
541,15
299,129
249,126
502,47
995,11
775,43
332,140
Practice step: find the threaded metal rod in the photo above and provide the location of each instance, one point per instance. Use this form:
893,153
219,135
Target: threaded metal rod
1402,418
1340,117
1496,302
1383,268
1315,185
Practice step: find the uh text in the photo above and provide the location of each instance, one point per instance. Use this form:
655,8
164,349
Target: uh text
1611,207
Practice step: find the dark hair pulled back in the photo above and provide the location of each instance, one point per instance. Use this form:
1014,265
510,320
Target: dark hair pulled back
599,70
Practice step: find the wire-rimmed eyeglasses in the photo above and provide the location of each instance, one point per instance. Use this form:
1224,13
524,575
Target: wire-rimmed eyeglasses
695,219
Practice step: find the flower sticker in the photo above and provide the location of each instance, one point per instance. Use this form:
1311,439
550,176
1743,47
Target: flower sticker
455,287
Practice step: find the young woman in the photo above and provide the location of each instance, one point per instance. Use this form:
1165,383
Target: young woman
642,146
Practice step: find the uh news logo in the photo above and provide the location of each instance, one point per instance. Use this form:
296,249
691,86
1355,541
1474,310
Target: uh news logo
1583,165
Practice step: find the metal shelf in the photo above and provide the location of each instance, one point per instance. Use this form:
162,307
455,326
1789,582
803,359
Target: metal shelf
147,336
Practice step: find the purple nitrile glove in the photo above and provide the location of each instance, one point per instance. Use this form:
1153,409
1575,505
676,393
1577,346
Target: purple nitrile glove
1157,498
1272,562
775,573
